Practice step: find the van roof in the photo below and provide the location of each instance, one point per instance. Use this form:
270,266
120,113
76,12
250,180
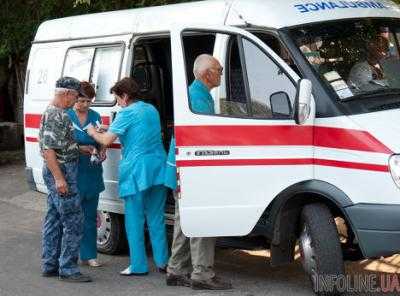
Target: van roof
265,13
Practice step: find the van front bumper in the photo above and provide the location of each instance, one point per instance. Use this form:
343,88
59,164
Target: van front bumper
377,228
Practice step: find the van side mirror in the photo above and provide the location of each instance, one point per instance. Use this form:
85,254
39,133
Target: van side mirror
281,106
302,103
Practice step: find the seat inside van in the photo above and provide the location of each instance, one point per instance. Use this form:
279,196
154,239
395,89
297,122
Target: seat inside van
152,69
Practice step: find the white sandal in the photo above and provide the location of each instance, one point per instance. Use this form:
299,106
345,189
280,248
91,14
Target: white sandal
91,263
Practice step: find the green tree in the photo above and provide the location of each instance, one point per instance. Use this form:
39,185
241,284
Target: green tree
19,20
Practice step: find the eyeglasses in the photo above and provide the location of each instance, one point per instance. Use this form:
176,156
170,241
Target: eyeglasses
219,70
73,93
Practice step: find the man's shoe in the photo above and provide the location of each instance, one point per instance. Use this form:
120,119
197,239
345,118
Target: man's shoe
50,273
178,280
214,283
75,278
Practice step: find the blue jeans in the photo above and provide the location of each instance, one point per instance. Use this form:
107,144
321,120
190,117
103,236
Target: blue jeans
146,206
63,224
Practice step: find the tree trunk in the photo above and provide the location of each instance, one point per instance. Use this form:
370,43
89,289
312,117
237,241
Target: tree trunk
11,92
16,84
20,83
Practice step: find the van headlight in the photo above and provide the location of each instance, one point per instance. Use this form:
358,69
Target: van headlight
394,166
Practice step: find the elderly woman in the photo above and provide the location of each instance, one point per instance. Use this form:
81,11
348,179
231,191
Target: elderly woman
90,171
141,174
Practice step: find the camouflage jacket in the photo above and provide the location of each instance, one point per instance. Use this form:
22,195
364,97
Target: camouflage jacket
56,132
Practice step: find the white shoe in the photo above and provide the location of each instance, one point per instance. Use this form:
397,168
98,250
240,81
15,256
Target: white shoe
91,263
126,271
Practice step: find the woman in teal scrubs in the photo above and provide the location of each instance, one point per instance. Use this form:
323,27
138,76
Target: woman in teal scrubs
90,173
141,174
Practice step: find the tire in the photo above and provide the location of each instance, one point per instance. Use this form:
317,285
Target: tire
320,249
111,237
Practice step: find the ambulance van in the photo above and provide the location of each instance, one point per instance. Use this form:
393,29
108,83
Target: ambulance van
306,134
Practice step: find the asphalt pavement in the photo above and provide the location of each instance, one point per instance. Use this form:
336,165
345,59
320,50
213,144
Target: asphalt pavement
21,214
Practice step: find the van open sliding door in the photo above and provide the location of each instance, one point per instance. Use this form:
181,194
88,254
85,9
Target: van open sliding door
234,162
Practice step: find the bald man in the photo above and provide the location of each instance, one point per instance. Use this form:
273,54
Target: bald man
196,253
207,71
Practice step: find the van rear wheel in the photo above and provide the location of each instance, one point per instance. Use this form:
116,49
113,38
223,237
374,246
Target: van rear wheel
320,249
111,237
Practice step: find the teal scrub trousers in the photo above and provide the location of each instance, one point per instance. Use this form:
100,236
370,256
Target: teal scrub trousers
147,205
88,248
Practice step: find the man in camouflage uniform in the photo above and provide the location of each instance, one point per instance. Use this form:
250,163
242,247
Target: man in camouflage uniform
63,224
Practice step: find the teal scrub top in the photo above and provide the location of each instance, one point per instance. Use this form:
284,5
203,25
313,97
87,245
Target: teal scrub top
143,156
90,176
200,101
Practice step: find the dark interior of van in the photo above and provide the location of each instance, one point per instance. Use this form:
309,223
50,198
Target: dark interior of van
152,69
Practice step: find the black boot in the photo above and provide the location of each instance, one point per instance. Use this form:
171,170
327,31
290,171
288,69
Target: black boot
214,283
178,280
75,278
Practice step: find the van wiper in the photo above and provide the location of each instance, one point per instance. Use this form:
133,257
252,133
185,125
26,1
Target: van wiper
383,92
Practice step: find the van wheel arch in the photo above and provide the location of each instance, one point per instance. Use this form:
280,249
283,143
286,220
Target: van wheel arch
284,215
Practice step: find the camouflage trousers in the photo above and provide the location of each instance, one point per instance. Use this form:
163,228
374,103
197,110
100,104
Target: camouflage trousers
63,225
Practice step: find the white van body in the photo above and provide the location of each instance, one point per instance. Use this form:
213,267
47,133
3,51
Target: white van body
241,173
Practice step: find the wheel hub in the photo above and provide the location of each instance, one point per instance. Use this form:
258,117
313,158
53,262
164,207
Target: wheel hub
307,252
103,227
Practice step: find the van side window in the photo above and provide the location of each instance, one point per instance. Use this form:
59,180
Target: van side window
78,63
105,72
252,85
268,86
277,46
98,65
235,103
265,79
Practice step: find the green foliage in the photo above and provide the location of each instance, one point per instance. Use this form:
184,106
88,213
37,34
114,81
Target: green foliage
19,19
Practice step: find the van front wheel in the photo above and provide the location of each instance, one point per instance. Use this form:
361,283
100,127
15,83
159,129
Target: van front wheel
110,233
320,249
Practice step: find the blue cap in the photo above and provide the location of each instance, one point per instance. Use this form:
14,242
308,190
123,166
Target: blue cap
69,83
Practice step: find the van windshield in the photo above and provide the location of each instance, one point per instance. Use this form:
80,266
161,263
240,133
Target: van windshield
356,58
